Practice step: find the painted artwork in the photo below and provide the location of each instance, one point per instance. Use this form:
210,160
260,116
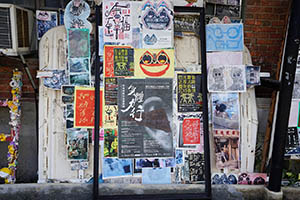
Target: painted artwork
111,91
225,111
110,116
191,131
227,78
154,63
115,167
78,43
57,80
77,144
123,61
224,37
84,116
145,118
227,152
110,143
156,175
117,21
225,57
188,3
156,22
45,21
252,75
222,178
109,60
189,96
154,162
76,14
252,179
79,65
196,167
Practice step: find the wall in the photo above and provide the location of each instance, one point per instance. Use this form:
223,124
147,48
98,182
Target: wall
265,27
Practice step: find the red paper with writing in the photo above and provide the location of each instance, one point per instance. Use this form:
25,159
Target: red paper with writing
191,131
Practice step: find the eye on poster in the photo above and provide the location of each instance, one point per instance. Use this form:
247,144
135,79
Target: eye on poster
45,21
117,21
224,37
189,96
145,118
154,63
84,116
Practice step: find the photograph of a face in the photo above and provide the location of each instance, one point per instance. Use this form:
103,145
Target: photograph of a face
79,65
77,144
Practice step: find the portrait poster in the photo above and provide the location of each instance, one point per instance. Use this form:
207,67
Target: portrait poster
109,59
145,118
191,131
78,43
77,144
117,21
111,91
57,80
84,116
110,116
156,175
252,178
45,21
225,37
156,22
227,78
154,63
110,143
115,167
124,62
225,111
227,152
189,96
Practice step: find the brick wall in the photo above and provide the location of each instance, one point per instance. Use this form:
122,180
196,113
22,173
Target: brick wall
265,27
7,65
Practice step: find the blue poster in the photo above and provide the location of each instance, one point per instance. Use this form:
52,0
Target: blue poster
224,37
114,167
45,21
156,175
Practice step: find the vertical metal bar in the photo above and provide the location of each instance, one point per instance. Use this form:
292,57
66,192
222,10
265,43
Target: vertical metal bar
97,110
205,103
285,97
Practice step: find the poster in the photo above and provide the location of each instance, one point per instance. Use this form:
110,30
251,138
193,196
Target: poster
67,92
110,116
154,63
115,167
196,167
156,175
252,178
84,116
228,10
156,22
188,3
111,91
179,156
296,89
117,21
187,23
109,59
222,178
78,43
227,152
58,79
189,96
45,21
227,78
225,57
292,141
252,75
154,162
293,118
224,37
225,111
191,131
79,65
123,61
77,144
110,143
145,118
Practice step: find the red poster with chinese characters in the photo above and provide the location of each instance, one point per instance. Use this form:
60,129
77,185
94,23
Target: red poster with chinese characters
191,131
109,59
84,110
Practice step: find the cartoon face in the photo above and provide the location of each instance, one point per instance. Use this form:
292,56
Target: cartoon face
157,17
155,65
236,74
218,74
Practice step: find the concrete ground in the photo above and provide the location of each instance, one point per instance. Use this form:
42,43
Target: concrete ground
63,191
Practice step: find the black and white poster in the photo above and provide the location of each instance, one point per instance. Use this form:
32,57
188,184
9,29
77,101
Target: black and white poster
145,118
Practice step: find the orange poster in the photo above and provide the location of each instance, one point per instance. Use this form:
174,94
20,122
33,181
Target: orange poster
84,115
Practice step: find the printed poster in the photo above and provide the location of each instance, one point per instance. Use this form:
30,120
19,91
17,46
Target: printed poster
45,21
293,118
57,80
154,63
115,167
84,116
145,118
189,96
154,162
110,116
117,21
292,141
225,37
252,75
77,144
156,22
227,78
79,43
222,178
252,178
196,167
111,91
110,143
123,62
188,3
156,175
225,57
109,60
191,131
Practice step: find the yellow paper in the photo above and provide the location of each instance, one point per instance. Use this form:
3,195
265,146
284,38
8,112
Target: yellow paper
154,63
